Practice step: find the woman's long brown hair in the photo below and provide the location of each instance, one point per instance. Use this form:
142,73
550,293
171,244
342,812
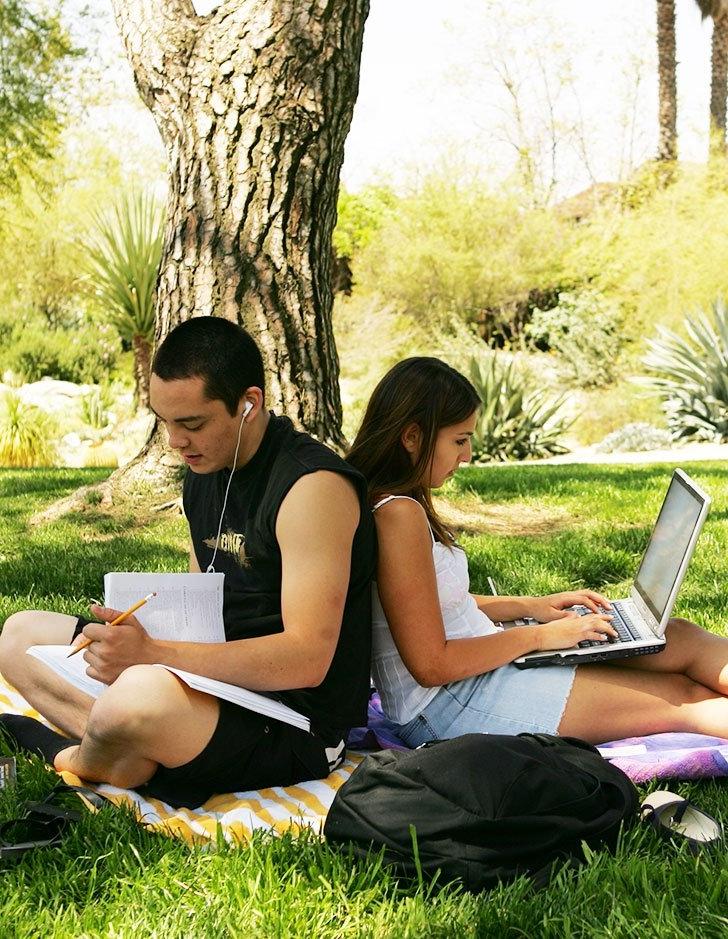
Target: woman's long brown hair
424,391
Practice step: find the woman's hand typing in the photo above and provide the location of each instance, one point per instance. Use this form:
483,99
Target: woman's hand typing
573,629
556,605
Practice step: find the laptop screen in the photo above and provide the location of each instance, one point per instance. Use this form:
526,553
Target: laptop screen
669,545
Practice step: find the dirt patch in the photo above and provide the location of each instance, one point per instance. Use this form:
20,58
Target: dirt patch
471,516
105,501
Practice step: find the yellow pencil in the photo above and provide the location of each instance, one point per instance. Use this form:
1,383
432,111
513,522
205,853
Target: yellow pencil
119,619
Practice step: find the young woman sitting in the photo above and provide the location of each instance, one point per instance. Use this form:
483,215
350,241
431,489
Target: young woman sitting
441,664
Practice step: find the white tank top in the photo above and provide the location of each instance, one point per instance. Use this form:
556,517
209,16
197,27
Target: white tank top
402,697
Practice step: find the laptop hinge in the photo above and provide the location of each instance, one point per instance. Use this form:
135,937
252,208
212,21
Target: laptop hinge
644,611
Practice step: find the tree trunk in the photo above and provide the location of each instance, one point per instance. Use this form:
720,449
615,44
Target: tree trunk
253,102
142,350
718,83
667,146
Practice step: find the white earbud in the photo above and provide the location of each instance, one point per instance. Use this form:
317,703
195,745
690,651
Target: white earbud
247,409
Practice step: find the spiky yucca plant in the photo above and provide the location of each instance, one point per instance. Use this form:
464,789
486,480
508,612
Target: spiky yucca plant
24,434
95,407
516,420
691,376
121,259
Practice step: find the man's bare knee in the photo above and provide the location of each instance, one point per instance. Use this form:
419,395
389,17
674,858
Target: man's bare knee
149,712
29,628
35,627
114,721
17,635
133,709
17,626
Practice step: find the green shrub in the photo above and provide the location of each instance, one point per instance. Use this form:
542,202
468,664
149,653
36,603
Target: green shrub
457,248
7,327
691,376
372,336
516,420
121,258
584,330
24,434
665,250
85,354
360,216
600,411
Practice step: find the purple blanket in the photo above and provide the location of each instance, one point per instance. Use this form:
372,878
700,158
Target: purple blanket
643,759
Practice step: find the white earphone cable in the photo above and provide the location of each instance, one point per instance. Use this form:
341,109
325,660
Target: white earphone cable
211,566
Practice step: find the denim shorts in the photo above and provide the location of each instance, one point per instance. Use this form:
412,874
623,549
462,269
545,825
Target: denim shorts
508,700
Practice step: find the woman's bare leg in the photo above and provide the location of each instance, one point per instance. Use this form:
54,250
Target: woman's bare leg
608,703
690,651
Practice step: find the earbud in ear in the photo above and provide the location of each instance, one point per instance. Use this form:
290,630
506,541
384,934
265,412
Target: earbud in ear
247,409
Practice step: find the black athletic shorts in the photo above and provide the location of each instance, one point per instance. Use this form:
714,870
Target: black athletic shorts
246,751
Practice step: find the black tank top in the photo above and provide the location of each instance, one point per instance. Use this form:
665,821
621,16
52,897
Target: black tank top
250,558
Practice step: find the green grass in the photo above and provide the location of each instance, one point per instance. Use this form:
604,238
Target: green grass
111,878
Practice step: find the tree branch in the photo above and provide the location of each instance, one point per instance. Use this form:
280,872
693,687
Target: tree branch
157,34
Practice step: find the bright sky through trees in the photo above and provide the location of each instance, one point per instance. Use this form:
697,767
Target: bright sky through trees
426,87
428,90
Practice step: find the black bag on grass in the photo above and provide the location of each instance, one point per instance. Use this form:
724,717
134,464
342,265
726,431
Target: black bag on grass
483,808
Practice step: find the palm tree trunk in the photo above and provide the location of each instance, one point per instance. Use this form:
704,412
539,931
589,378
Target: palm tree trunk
666,65
719,83
142,350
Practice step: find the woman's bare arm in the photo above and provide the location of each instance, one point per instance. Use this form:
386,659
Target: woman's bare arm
408,590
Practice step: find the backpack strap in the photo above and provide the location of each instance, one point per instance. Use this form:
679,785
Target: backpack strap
42,824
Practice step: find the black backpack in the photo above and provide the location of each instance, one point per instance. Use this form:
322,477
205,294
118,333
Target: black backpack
483,808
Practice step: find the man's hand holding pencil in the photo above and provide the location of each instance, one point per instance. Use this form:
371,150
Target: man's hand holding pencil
116,642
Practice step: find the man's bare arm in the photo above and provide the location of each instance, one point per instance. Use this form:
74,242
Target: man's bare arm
315,530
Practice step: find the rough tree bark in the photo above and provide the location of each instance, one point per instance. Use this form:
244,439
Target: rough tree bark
253,102
666,65
719,82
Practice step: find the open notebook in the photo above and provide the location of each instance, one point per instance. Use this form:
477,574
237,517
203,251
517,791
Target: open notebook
186,608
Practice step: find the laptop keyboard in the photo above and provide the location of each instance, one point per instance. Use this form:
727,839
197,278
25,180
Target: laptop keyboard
625,628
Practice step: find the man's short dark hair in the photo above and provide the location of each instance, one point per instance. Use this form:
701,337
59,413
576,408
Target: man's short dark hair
216,350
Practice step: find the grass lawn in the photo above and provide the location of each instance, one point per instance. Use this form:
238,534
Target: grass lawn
546,528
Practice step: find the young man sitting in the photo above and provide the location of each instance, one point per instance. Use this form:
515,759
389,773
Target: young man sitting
295,540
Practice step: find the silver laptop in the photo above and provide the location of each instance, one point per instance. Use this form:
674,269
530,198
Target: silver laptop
641,619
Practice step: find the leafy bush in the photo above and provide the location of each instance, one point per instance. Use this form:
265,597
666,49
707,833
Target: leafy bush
85,354
635,437
457,248
372,336
24,434
7,327
663,251
691,376
583,329
516,420
360,215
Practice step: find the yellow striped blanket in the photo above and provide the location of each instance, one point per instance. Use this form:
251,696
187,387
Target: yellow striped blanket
236,814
